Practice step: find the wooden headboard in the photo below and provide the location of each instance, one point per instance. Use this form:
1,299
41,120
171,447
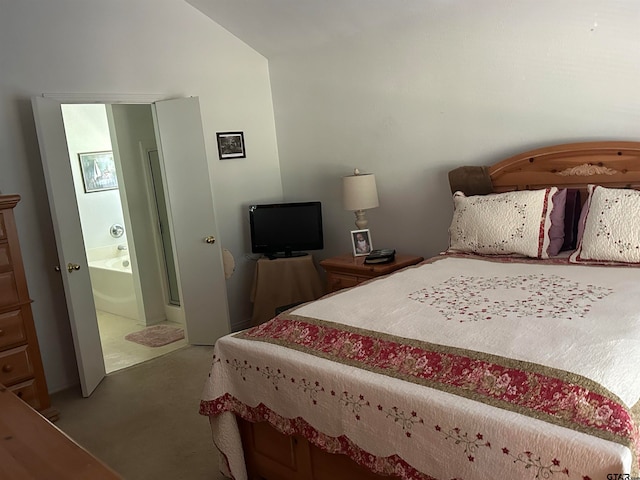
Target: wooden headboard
572,165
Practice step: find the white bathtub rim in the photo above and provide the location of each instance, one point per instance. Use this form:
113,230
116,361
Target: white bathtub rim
116,264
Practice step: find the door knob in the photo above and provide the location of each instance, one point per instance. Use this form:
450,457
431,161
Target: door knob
210,239
72,266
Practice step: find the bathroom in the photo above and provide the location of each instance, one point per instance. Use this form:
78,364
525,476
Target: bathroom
132,288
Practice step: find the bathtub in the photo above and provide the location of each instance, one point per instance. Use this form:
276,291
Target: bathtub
112,284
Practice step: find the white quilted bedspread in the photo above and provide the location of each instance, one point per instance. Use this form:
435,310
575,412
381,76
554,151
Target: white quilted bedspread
368,372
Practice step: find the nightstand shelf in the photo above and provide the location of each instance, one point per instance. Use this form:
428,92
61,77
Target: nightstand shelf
346,271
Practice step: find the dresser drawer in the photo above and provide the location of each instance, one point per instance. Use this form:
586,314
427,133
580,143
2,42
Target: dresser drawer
3,229
5,258
11,329
28,392
15,365
8,289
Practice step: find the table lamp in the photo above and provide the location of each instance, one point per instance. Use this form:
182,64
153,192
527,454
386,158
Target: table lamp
359,193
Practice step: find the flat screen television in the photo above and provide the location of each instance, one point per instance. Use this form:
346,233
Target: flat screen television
286,229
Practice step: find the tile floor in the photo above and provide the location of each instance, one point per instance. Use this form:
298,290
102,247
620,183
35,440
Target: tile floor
120,353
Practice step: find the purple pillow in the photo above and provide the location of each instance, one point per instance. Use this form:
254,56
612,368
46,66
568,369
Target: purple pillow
557,216
572,213
582,219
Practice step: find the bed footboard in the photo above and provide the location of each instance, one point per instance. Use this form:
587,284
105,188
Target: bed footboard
270,455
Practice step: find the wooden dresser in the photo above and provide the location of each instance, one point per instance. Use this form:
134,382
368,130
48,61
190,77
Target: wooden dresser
20,363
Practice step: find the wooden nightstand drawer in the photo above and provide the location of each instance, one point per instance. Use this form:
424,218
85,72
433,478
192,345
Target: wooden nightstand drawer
337,281
11,329
346,271
15,365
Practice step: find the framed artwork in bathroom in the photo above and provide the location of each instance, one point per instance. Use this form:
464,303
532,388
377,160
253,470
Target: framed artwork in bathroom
231,145
98,171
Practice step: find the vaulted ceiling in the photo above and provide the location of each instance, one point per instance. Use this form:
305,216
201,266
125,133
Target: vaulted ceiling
274,27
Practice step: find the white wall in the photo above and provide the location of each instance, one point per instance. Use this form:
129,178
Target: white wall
462,86
163,47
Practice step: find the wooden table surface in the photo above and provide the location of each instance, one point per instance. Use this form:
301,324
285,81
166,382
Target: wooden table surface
31,447
349,264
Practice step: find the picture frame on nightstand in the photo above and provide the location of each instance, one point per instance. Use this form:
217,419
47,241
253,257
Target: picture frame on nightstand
361,242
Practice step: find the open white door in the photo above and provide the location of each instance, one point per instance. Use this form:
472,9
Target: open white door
69,240
198,254
199,263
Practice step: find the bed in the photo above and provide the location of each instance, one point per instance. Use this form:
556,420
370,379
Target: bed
515,354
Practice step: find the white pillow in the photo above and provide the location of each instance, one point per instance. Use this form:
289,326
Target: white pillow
503,223
611,229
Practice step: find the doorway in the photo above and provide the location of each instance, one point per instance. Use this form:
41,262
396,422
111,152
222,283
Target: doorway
98,163
179,137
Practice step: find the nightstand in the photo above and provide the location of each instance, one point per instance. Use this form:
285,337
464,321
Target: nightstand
346,271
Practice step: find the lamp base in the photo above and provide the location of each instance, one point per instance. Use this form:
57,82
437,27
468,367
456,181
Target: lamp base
361,219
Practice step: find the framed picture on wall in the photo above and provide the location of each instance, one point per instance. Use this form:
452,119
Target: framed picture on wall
361,241
231,145
98,171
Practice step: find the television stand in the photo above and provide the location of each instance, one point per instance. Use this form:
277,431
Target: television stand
283,281
272,256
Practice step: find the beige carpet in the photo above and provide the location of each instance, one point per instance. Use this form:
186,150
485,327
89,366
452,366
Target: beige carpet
143,421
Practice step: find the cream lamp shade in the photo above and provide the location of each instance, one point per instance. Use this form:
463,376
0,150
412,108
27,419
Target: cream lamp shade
359,193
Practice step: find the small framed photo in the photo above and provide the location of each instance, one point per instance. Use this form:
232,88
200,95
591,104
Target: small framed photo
98,171
361,241
231,145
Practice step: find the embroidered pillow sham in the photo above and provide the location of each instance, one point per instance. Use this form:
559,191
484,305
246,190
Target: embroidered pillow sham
503,223
610,226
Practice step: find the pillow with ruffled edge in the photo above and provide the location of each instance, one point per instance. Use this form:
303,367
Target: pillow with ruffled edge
557,229
503,223
610,227
572,211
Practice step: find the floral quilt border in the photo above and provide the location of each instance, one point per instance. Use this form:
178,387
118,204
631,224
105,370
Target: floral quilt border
541,392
